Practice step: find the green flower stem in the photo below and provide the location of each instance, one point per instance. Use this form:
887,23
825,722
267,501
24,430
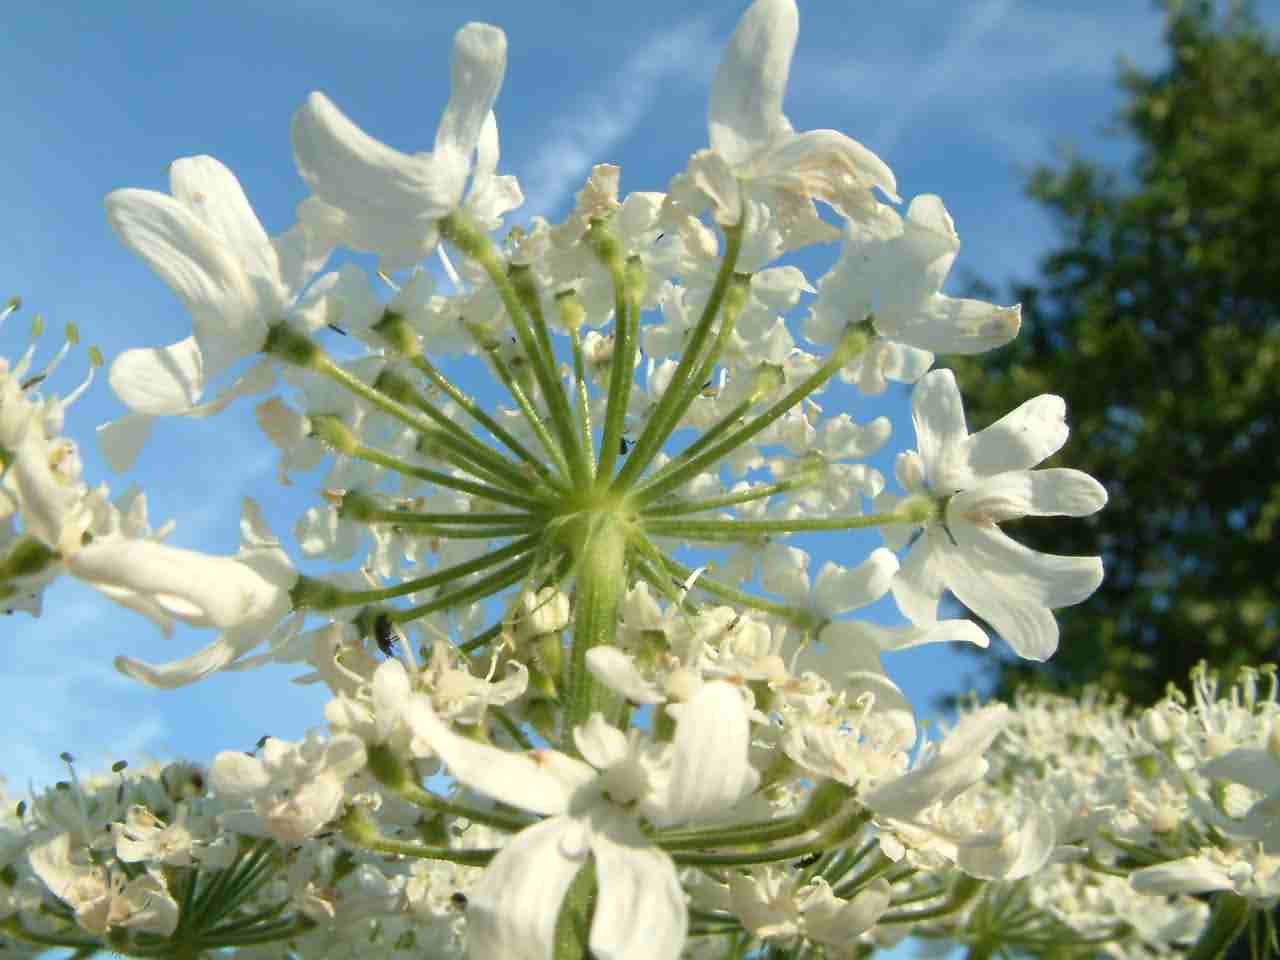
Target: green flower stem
793,852
600,564
469,858
526,289
455,444
622,363
466,533
709,436
700,928
311,594
583,403
478,414
482,638
768,831
922,895
684,468
483,490
652,436
455,437
656,570
797,616
489,634
734,301
416,524
728,500
410,518
477,245
424,798
719,531
667,584
228,889
242,924
1140,853
283,930
513,729
1097,866
535,420
881,864
381,401
487,586
962,893
846,861
1228,920
578,443
438,446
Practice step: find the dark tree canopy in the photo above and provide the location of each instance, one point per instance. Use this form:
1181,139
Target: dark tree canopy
1157,317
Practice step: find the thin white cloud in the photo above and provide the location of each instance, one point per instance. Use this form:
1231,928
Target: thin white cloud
993,71
938,73
595,126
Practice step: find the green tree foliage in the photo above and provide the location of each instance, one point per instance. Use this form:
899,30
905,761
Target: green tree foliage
1157,319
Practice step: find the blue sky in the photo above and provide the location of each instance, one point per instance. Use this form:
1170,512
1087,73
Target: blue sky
960,99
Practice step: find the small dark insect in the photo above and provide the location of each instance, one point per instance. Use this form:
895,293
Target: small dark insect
386,634
459,899
336,329
808,861
623,445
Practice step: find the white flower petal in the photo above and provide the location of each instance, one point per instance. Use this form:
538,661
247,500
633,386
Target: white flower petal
1020,439
956,766
918,586
541,782
238,774
745,111
839,590
1188,875
121,440
382,200
229,319
159,381
831,920
600,743
640,911
476,68
938,413
710,771
1055,492
618,672
512,911
179,673
206,590
1013,856
212,193
1014,588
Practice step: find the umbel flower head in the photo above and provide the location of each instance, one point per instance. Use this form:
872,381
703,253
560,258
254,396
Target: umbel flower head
584,597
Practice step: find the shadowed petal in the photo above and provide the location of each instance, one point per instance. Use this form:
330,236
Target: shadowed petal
512,911
745,111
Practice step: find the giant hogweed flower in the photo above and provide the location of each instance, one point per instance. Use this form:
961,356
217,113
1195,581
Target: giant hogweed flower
977,481
754,150
207,244
576,490
375,198
596,808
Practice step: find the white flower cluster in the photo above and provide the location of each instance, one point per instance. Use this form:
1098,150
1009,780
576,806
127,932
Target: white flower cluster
1054,823
672,739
